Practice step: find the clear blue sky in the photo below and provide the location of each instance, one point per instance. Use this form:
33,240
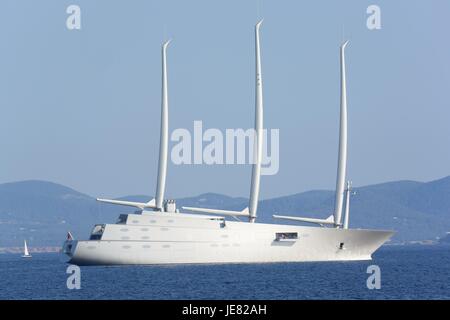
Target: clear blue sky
82,108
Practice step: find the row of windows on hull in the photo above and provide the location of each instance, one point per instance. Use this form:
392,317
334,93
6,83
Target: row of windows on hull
123,218
97,234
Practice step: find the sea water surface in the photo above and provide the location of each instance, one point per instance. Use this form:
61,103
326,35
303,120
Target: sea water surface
407,272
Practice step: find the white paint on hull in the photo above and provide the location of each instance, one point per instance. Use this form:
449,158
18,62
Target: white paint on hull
166,239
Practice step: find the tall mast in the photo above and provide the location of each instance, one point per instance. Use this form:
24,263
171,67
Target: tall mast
256,171
342,158
164,135
348,192
251,210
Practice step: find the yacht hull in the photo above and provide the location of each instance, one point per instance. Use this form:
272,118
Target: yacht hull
238,242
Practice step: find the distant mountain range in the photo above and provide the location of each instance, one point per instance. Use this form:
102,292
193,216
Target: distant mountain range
42,212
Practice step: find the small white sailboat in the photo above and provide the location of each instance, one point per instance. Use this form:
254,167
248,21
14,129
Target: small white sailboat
26,254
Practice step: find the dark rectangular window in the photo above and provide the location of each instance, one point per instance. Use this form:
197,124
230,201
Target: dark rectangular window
97,232
280,236
95,237
122,219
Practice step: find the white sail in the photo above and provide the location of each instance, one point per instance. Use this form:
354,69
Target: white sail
25,249
256,171
342,158
164,135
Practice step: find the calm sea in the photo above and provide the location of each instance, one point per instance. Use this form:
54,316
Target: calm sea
407,272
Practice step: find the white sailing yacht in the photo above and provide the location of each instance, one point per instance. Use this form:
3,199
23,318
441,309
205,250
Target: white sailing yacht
159,234
26,254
